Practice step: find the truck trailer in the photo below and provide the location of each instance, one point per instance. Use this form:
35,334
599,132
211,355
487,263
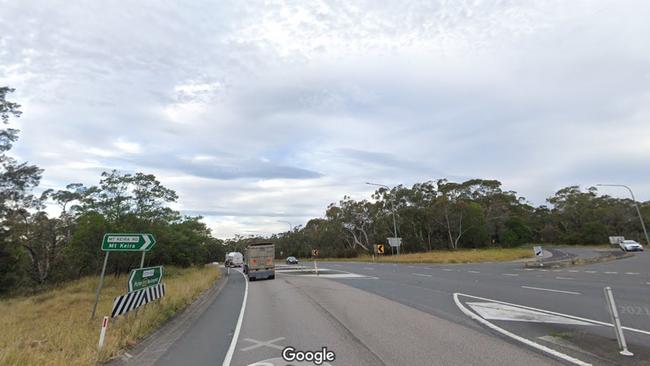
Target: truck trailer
259,261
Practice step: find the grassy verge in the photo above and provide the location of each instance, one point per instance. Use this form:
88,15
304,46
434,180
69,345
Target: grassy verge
448,256
54,327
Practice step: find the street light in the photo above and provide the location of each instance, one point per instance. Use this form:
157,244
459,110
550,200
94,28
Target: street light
288,223
638,211
392,207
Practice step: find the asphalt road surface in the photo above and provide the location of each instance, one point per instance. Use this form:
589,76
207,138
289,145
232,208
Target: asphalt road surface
417,314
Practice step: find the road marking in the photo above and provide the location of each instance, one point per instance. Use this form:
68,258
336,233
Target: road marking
368,268
529,269
557,270
410,267
555,313
496,311
591,271
447,269
240,320
510,274
422,275
611,272
564,278
632,273
573,271
473,271
514,336
258,344
551,290
544,270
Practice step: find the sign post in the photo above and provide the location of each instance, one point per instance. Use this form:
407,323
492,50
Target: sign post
144,277
122,242
395,243
314,253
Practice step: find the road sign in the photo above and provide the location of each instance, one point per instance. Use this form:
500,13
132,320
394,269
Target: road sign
145,277
538,251
380,249
123,242
394,242
133,300
314,252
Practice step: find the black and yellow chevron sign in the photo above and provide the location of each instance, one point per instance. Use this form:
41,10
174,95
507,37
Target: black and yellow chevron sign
380,248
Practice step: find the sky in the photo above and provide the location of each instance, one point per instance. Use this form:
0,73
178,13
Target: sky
261,113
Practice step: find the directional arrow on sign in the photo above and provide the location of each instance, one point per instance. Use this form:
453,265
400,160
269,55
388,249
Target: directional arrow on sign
128,242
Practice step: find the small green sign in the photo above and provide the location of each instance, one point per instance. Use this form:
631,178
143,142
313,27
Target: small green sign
145,277
125,242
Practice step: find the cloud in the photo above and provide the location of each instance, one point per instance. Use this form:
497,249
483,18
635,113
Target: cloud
258,113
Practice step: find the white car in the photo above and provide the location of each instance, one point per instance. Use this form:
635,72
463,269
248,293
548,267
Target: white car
630,246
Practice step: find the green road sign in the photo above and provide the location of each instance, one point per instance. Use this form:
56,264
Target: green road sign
145,277
114,242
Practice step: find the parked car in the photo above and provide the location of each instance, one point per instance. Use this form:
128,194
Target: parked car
292,260
630,246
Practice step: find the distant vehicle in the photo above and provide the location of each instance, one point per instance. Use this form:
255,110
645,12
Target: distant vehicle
292,260
260,261
234,259
630,246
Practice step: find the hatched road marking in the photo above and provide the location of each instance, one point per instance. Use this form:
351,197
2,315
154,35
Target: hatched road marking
258,344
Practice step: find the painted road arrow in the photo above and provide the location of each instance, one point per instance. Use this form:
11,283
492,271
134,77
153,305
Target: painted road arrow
144,277
126,242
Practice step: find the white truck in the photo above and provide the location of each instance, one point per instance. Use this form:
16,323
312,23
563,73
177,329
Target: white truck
234,259
260,261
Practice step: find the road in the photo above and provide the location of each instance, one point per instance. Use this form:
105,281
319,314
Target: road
416,314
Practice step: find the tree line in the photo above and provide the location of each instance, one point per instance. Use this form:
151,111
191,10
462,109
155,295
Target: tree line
36,249
476,213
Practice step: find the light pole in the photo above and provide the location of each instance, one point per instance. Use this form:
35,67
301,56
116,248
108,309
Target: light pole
392,207
638,211
288,223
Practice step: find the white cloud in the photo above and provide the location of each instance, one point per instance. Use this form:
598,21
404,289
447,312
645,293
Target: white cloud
257,114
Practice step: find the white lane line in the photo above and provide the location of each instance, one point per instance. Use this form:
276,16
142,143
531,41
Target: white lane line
591,271
473,271
557,270
529,269
516,337
422,275
410,267
510,274
632,273
447,269
544,270
611,272
551,290
368,268
564,278
573,271
240,320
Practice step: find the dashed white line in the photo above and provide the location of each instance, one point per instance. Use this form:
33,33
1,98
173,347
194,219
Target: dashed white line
510,274
529,269
551,290
591,271
611,272
422,275
447,269
473,271
368,268
632,273
573,271
564,278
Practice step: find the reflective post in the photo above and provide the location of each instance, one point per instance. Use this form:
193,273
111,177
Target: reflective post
616,320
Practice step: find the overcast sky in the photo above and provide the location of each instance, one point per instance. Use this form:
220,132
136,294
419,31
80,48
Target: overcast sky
261,112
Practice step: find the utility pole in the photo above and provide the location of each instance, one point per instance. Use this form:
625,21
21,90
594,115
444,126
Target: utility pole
638,211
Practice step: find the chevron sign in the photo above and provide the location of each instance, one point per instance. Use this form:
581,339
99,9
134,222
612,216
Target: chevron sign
133,300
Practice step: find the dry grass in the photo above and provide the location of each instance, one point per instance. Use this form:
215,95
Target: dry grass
448,256
53,328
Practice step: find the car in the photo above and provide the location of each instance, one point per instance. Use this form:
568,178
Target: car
292,260
630,246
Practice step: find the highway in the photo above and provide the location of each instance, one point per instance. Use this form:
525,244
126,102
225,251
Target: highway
421,314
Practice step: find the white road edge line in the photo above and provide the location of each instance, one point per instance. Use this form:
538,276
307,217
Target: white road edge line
240,320
551,290
516,337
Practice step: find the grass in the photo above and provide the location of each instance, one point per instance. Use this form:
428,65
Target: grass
54,327
448,256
